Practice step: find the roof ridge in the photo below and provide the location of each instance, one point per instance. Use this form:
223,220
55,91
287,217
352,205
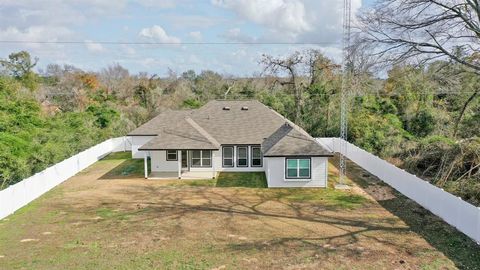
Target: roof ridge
292,124
275,137
202,131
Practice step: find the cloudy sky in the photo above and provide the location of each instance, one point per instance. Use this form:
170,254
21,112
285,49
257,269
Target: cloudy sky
183,25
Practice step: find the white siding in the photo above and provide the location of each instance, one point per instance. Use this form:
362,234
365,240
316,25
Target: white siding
137,142
275,172
159,162
274,168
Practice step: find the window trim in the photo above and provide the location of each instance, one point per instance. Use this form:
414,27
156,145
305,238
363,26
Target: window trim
251,156
170,159
201,159
246,156
232,157
298,177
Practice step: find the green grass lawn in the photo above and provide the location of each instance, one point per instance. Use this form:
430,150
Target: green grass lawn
129,168
227,179
242,179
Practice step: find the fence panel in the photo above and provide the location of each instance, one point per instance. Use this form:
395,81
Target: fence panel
20,194
456,212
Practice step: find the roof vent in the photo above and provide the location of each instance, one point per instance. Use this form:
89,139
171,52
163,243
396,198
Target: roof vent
244,108
226,108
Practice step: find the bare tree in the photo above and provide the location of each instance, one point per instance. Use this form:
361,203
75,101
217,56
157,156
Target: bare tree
291,65
426,30
302,69
116,80
317,65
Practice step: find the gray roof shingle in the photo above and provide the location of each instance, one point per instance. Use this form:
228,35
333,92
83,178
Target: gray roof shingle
185,136
289,141
166,119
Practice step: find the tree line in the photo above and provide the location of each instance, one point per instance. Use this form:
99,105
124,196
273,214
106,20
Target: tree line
413,96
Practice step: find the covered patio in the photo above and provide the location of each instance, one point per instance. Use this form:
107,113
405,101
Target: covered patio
173,152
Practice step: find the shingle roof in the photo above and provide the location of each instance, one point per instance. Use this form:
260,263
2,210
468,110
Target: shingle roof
185,136
210,126
166,119
289,141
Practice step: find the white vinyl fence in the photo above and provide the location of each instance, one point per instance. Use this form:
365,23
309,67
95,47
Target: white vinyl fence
456,212
20,194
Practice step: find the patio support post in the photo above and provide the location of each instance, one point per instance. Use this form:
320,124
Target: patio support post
179,164
213,169
146,165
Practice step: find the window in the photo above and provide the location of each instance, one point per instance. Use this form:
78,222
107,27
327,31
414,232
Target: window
227,154
256,156
297,168
201,158
242,156
172,155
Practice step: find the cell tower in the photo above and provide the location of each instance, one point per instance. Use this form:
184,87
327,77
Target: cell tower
347,18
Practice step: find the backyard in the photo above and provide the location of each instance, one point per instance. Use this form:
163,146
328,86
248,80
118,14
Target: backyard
109,217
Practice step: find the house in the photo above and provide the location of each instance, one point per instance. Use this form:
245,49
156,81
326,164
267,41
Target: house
230,136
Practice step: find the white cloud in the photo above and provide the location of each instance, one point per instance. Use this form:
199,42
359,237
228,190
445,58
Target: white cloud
34,33
195,35
52,20
156,33
25,13
94,47
292,20
287,15
187,21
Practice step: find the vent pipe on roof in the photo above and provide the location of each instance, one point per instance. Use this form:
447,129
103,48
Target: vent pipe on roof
226,108
244,108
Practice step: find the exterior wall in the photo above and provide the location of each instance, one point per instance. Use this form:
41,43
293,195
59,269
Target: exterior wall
274,168
159,162
137,142
275,172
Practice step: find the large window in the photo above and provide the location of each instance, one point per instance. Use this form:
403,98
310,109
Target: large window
242,156
201,158
297,168
256,156
172,155
227,154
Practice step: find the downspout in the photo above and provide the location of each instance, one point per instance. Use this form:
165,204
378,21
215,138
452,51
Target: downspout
145,164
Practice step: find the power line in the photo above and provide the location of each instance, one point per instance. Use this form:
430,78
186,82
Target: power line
66,42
